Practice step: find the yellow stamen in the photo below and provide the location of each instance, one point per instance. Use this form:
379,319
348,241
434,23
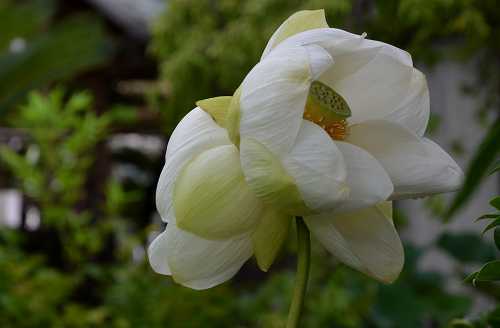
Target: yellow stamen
328,109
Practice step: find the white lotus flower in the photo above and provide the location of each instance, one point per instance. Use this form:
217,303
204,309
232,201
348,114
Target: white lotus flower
328,126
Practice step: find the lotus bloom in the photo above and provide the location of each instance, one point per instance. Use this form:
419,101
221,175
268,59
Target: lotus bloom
328,126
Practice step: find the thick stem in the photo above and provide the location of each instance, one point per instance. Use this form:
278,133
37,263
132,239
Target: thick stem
303,261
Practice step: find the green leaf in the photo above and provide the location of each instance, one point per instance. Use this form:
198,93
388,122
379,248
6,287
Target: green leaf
53,55
35,15
495,202
478,168
471,277
492,225
489,272
488,216
496,237
495,169
466,247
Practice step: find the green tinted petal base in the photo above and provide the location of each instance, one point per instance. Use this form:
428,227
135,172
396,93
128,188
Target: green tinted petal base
212,199
269,180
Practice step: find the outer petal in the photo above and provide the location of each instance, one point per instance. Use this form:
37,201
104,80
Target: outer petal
318,168
199,263
269,237
417,166
157,254
367,180
274,94
196,132
366,240
300,21
211,197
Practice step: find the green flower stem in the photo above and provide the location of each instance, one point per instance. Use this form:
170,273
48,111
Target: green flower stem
303,263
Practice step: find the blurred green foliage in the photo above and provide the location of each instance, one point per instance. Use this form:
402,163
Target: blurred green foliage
85,267
34,53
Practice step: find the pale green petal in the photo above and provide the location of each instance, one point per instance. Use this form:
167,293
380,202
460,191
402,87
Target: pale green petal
268,179
211,197
269,236
317,167
417,166
274,94
157,254
366,240
233,118
200,263
217,108
300,21
196,132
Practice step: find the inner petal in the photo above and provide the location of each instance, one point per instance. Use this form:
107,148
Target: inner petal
328,109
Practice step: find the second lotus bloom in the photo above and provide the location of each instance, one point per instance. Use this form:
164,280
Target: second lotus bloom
328,126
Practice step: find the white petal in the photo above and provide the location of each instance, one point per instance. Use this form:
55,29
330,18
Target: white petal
318,168
367,180
199,263
211,197
417,166
274,94
349,51
366,240
300,21
195,133
376,89
157,254
375,78
413,113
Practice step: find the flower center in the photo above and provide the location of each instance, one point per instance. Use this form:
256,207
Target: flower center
328,109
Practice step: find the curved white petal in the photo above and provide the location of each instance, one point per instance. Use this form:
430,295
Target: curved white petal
417,166
414,111
195,133
366,240
211,197
374,78
200,263
349,51
300,21
367,180
274,93
318,168
157,254
375,89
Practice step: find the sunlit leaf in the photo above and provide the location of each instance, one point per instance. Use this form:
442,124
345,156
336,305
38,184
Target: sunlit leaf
460,323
